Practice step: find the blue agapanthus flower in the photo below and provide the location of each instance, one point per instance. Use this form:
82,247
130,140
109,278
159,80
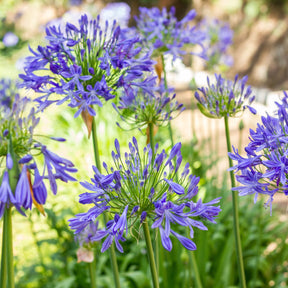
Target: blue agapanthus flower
153,105
84,65
264,169
140,188
225,98
19,154
218,38
163,33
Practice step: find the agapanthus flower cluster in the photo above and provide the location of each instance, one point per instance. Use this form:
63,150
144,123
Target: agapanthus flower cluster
264,170
143,107
19,151
163,33
84,65
225,98
218,38
143,187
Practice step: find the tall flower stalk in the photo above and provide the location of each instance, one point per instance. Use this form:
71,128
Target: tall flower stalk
14,175
4,251
153,267
235,204
154,261
166,87
7,266
223,99
195,269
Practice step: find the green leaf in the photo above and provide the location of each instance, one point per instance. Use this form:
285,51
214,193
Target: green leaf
67,283
138,278
224,270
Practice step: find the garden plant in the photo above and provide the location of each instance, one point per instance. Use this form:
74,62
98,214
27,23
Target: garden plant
138,208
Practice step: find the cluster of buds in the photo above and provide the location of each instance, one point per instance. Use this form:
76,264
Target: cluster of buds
225,98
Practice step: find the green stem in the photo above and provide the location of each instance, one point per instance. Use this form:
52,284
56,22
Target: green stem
150,255
114,264
95,145
170,134
164,72
241,129
193,265
112,252
157,242
166,88
193,117
4,252
217,130
7,224
189,272
10,266
151,137
195,269
92,271
210,141
235,212
169,122
259,240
